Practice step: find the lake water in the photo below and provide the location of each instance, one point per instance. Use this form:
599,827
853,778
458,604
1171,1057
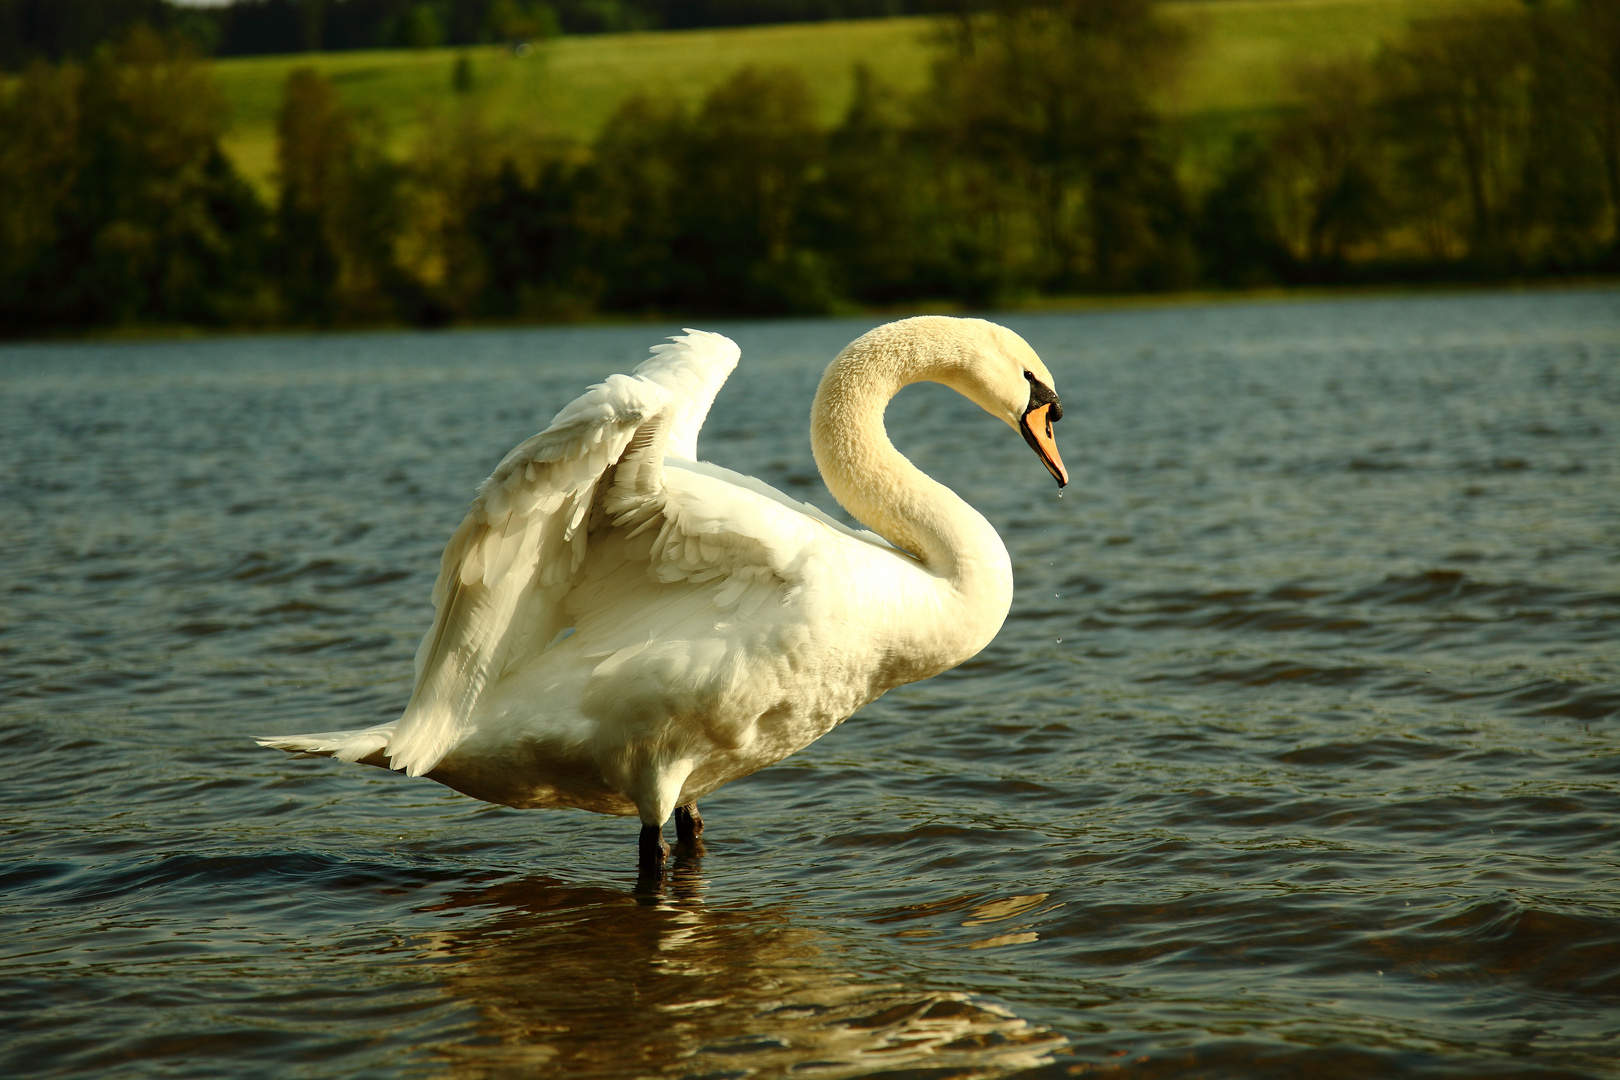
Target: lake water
1299,754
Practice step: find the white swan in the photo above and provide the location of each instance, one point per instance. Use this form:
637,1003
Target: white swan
623,628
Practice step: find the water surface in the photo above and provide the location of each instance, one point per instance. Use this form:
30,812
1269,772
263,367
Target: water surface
1297,755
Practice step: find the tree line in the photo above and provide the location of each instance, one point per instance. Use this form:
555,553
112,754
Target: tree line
58,29
1480,146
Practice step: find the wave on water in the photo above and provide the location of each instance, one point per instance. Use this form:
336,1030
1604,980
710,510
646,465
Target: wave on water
1295,757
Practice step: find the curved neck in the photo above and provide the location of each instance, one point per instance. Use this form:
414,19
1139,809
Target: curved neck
884,490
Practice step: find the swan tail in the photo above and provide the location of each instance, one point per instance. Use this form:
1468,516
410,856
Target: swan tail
365,746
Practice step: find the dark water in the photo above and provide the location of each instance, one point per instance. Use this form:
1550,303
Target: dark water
1297,757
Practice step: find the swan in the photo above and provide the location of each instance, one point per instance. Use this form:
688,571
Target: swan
622,628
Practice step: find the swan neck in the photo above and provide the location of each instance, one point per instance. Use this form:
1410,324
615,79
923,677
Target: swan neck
878,485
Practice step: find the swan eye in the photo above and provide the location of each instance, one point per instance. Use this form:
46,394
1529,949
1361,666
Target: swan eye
1041,394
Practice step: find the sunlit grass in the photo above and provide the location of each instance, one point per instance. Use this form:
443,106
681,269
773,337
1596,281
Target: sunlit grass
1244,52
569,87
1241,58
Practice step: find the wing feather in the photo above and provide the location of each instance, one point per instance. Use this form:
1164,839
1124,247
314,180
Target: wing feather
504,569
692,368
605,524
507,569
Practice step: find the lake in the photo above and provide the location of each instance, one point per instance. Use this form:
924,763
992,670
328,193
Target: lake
1297,755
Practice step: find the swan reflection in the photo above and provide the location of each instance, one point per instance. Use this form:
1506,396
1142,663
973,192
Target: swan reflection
584,981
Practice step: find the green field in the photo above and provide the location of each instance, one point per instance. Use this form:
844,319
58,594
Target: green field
1241,57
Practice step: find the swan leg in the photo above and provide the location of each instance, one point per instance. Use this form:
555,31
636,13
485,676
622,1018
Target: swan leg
688,824
652,850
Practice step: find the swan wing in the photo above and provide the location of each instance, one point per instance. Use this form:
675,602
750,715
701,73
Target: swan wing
692,367
510,565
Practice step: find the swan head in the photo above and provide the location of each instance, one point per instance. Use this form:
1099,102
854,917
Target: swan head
996,370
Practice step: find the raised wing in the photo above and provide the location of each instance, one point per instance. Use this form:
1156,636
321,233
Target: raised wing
508,568
692,368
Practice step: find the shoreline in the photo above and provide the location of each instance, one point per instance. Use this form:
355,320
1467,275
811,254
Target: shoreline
140,334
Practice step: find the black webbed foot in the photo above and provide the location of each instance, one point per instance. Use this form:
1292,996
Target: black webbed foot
652,851
688,825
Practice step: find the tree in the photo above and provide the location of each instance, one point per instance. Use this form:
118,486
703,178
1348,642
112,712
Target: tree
56,30
312,23
421,28
750,170
1499,133
460,180
521,20
1327,168
40,159
877,217
337,212
631,201
1044,108
1592,41
709,211
133,213
530,241
1237,234
1563,199
1460,106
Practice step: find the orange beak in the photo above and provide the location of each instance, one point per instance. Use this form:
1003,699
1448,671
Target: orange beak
1037,429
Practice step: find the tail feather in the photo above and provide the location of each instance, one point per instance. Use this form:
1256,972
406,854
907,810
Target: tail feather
365,746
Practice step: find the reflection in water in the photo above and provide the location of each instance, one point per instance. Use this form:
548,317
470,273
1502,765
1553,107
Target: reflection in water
1304,718
587,981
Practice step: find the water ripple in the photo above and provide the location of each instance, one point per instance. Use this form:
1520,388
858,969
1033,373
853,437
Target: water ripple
1296,756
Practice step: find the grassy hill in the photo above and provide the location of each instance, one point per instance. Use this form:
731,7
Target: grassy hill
1242,53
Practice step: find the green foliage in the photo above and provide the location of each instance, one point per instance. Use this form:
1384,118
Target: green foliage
570,86
706,210
517,20
119,207
1044,116
421,27
1592,41
1036,161
59,29
881,220
40,159
750,160
1460,97
338,212
1475,145
1328,159
528,235
1237,234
